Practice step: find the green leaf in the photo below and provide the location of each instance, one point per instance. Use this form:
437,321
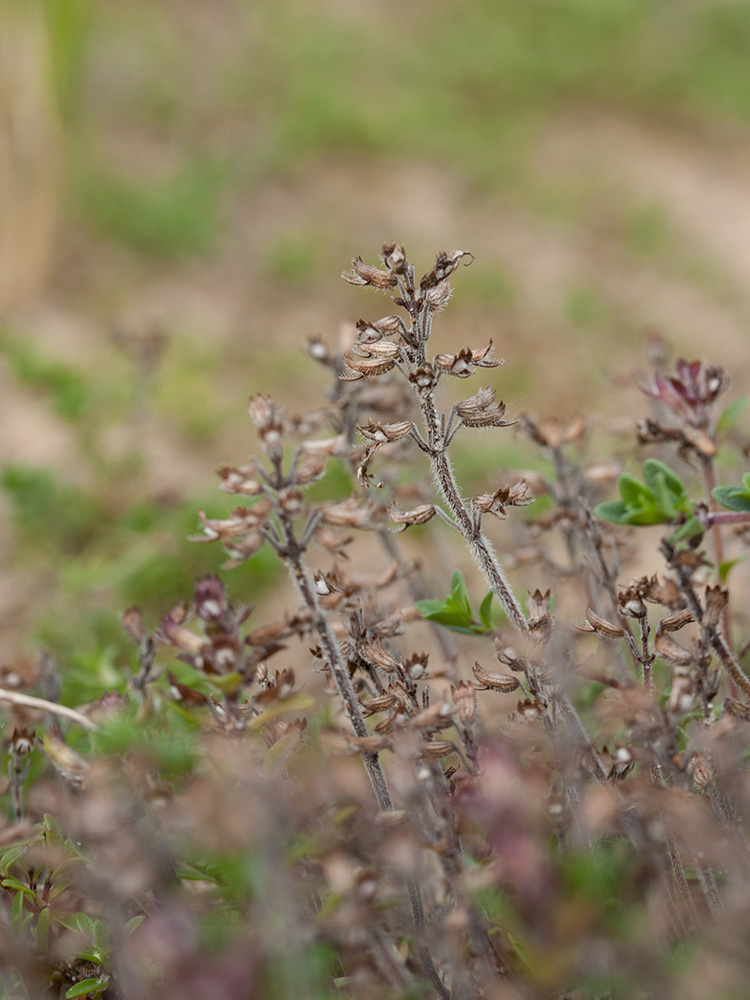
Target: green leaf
485,611
11,856
280,753
732,497
633,492
296,703
459,595
16,909
662,480
689,529
726,566
42,928
88,987
731,415
429,606
13,883
613,510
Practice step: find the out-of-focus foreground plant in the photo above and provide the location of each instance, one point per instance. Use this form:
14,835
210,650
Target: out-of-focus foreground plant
376,791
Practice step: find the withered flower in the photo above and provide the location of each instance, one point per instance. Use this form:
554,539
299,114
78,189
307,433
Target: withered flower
385,433
352,513
374,652
369,332
682,695
407,518
595,623
394,257
485,681
244,479
365,274
445,265
496,503
359,368
424,378
465,699
480,410
690,392
670,650
552,433
716,601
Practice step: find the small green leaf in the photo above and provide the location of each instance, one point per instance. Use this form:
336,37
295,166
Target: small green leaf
429,606
16,909
732,497
459,595
612,510
485,611
664,482
633,492
731,415
88,987
11,856
280,753
726,566
135,922
42,927
13,883
296,703
689,529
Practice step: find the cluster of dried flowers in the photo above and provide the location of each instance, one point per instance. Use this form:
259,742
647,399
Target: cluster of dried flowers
590,839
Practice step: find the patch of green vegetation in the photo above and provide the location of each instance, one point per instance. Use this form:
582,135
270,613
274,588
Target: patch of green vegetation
49,512
293,259
488,284
585,306
173,217
70,392
647,231
186,392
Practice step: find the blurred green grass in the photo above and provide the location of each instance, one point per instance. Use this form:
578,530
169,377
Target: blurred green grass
171,121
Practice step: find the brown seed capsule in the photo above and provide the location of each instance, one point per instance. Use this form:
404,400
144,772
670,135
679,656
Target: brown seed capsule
493,682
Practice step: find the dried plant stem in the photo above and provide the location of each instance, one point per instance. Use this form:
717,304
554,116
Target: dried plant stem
710,635
709,481
479,545
29,701
292,555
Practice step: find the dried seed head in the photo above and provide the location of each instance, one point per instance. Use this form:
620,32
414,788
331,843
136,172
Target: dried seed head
132,622
702,770
598,624
716,601
375,653
435,749
21,742
385,433
445,265
682,695
493,682
670,650
510,656
394,257
365,274
415,666
407,518
496,503
352,513
210,599
365,367
437,295
465,699
244,479
423,378
676,621
538,603
318,350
